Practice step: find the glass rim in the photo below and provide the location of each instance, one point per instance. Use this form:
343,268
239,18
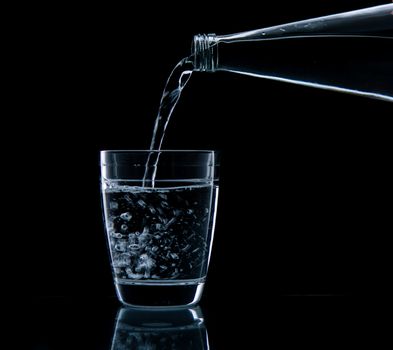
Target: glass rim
158,151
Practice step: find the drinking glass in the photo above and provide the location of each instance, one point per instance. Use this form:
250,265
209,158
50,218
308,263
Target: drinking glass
159,211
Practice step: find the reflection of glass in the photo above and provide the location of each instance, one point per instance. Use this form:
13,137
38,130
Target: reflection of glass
148,329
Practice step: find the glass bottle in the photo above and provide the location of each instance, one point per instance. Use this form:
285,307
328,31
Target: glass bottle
347,52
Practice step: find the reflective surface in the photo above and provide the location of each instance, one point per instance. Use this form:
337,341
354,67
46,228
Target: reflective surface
62,322
70,323
166,329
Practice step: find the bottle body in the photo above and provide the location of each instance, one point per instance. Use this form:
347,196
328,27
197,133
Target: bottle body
350,52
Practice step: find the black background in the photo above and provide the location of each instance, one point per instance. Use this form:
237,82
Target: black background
304,171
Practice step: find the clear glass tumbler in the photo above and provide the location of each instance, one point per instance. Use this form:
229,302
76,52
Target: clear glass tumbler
159,211
160,329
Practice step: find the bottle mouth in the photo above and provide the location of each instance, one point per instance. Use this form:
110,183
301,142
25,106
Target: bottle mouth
204,52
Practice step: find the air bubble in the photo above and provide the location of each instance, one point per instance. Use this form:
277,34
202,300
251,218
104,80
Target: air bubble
126,216
113,205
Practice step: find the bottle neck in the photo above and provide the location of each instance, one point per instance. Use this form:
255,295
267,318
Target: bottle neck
204,52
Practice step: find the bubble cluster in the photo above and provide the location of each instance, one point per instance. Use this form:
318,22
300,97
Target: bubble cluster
159,234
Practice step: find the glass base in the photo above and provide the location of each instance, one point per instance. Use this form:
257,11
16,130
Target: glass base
159,295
